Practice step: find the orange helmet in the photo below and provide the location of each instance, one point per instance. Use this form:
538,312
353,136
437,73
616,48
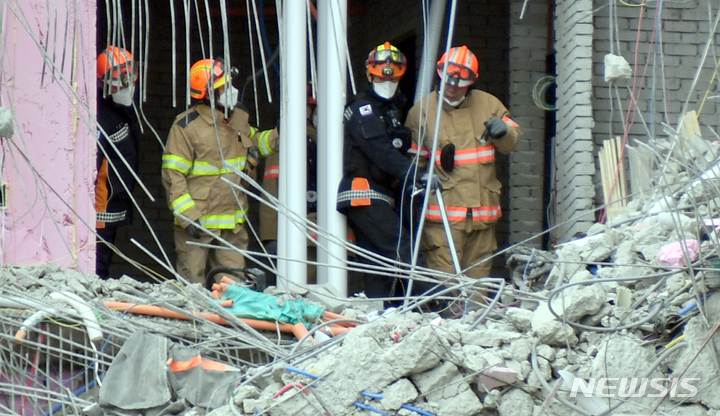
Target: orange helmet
116,68
386,61
207,74
462,68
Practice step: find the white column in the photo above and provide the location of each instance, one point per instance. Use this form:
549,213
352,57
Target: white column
332,80
293,147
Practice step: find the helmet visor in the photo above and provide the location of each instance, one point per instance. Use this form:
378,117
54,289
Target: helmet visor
387,63
457,75
121,76
389,56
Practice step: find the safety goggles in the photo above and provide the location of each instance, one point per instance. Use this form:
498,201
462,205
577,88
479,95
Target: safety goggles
457,75
121,76
389,56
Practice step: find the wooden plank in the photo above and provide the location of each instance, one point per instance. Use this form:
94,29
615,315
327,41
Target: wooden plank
621,168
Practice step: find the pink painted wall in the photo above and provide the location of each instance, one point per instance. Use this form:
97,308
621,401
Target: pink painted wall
53,147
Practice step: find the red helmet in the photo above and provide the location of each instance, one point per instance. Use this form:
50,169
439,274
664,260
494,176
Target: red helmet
207,74
386,61
462,68
116,68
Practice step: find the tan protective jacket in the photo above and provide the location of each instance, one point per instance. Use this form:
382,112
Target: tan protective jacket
192,165
472,188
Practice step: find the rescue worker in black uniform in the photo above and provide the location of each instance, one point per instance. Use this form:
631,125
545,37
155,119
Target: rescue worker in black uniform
376,168
113,205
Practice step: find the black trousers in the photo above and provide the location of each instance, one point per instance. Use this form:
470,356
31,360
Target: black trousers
378,229
104,254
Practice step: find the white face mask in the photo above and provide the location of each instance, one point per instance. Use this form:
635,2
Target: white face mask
228,98
454,103
385,89
125,96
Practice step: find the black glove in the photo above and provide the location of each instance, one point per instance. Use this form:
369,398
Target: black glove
251,163
434,183
496,128
194,229
447,157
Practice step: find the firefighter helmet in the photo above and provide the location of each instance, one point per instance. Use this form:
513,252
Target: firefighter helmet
386,61
207,74
462,66
116,69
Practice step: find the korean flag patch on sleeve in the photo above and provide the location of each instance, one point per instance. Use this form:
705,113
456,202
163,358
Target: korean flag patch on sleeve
365,110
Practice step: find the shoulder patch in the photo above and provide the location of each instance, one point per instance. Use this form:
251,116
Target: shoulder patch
348,113
366,110
189,118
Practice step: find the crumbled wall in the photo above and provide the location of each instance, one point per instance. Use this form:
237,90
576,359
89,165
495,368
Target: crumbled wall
49,162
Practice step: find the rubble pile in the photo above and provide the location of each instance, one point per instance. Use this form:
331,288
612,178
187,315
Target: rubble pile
620,321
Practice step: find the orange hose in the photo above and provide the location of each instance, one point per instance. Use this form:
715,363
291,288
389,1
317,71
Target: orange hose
331,315
167,313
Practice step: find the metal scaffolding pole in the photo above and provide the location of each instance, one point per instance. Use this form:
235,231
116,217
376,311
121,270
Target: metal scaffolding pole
332,76
292,267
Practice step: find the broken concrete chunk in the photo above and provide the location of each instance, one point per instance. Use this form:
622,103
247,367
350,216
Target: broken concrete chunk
516,403
521,318
492,399
577,301
398,393
445,385
545,351
550,330
420,351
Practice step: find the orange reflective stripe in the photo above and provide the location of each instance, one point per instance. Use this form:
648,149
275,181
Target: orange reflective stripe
101,192
453,213
272,172
424,152
469,156
178,366
486,213
360,184
510,122
483,213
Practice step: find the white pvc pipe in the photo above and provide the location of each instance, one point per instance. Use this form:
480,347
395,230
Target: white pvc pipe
430,49
332,76
88,316
292,265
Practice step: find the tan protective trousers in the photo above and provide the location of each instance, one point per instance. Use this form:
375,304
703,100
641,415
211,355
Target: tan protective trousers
191,259
472,246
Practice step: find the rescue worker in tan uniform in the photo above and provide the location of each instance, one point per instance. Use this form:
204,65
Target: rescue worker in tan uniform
200,141
473,125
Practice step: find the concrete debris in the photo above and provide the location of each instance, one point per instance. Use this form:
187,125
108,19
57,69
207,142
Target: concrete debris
616,68
604,309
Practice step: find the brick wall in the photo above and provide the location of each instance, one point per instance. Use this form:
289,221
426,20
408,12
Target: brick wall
684,30
573,145
528,63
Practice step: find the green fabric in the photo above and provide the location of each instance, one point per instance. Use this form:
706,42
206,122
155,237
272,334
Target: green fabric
256,305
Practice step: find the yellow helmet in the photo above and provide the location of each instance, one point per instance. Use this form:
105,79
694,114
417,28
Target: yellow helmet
386,61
